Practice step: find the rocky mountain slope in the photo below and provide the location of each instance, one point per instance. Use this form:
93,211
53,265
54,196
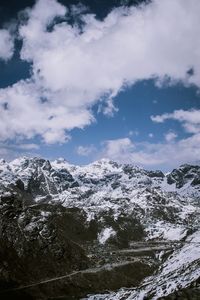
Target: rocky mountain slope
71,232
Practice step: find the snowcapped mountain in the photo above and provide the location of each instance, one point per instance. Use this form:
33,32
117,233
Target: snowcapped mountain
111,218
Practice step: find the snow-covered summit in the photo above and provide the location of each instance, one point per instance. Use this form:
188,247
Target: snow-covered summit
185,180
105,185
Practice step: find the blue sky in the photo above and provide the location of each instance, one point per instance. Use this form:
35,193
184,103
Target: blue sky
90,80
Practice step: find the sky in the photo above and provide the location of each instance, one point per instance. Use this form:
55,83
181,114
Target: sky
93,79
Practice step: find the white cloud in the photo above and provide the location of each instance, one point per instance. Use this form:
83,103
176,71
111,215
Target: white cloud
191,127
170,153
155,155
85,150
27,115
6,44
73,70
190,119
125,151
170,136
118,149
189,116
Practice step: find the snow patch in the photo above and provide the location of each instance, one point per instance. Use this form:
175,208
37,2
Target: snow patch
175,234
105,234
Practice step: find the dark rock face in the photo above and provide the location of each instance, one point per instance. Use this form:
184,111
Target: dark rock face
35,243
40,241
158,174
190,293
45,241
102,280
183,175
45,180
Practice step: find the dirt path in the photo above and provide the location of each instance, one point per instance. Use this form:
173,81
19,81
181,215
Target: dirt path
108,267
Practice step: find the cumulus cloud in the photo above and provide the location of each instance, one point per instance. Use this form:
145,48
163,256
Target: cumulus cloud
118,149
170,153
190,119
124,150
85,150
189,116
154,155
73,68
170,136
6,44
25,112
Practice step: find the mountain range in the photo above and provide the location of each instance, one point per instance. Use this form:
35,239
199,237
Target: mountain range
101,231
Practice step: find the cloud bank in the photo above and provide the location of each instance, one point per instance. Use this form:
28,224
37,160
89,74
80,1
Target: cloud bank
74,68
165,155
168,154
